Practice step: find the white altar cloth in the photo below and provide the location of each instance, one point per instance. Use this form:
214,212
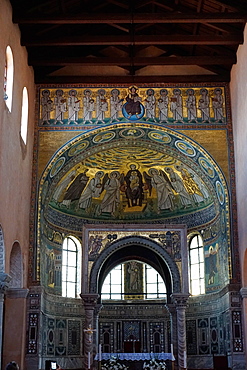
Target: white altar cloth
136,356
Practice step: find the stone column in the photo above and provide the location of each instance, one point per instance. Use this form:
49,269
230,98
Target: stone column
174,338
243,293
89,302
4,284
180,300
97,310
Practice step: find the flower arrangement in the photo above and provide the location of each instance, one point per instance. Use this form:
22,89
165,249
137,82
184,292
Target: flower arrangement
154,364
113,364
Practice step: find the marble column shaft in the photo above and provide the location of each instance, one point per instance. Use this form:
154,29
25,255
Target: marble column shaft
180,300
90,302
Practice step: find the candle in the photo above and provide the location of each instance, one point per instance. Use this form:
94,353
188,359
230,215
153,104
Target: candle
89,365
172,351
185,364
99,352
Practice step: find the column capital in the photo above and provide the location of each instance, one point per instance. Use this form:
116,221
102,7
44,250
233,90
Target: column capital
243,292
89,300
4,282
180,299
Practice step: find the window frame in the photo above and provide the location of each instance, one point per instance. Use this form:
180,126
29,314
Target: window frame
66,268
198,274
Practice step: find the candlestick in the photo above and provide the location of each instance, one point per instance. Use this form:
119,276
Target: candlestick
89,361
185,362
100,352
172,351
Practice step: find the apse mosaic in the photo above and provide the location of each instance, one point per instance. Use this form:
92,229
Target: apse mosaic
112,175
134,173
98,105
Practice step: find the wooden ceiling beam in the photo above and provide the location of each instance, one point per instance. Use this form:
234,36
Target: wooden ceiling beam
105,61
152,18
41,79
232,39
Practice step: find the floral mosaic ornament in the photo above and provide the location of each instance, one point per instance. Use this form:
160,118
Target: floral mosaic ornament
154,364
114,363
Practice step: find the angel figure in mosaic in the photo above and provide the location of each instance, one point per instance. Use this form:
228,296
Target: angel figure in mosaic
161,183
203,105
177,105
191,105
217,102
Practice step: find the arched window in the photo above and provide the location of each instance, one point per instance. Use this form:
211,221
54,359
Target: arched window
8,78
16,268
145,282
197,270
71,267
24,115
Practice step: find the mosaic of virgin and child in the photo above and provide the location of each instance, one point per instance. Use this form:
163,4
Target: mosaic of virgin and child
116,194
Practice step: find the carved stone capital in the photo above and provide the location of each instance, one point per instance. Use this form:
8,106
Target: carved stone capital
243,292
17,293
180,300
89,300
4,282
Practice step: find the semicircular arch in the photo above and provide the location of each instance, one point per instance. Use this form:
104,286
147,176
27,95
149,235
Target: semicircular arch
141,249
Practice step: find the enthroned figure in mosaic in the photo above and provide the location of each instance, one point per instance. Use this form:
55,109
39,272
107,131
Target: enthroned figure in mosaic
176,105
134,186
133,102
203,105
163,105
73,106
116,105
60,106
191,105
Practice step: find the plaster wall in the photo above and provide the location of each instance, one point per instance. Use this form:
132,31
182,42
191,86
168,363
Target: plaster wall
15,179
15,156
238,88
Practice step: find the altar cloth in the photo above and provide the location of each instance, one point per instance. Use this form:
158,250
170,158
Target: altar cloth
136,356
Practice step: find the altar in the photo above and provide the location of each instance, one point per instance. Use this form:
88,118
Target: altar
134,361
136,356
